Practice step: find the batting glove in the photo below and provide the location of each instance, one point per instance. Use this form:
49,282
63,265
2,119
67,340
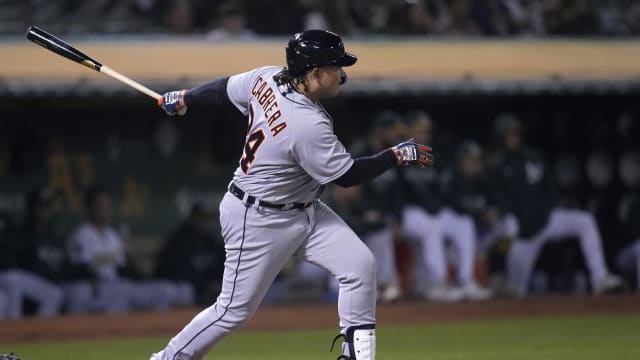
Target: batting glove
409,153
173,103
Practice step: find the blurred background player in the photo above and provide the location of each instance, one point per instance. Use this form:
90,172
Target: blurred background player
469,191
32,259
97,254
524,178
230,24
628,257
194,254
427,218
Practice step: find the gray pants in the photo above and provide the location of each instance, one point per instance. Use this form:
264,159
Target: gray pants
629,261
17,285
259,242
122,295
562,223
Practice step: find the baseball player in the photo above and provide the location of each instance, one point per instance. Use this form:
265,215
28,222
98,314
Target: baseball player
271,210
31,261
522,175
469,191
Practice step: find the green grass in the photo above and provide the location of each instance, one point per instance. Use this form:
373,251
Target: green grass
584,338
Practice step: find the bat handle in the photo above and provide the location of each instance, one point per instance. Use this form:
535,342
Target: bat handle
134,84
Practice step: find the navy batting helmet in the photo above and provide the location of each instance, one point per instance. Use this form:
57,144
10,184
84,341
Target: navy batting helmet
315,48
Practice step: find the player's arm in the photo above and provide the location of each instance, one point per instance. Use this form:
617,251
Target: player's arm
369,167
211,93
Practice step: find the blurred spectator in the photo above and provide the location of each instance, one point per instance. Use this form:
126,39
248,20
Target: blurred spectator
488,17
632,18
230,24
415,17
108,281
270,17
275,17
523,177
194,254
524,17
459,19
333,15
178,17
428,219
570,17
32,260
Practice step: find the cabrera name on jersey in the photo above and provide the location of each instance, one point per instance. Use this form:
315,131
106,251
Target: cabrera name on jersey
290,149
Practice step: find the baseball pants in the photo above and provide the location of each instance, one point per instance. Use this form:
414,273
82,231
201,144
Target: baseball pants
18,285
629,260
562,223
432,230
381,244
259,242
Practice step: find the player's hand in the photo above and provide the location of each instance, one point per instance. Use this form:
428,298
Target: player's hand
409,153
173,103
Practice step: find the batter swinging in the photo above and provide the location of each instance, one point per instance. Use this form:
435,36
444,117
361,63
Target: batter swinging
272,211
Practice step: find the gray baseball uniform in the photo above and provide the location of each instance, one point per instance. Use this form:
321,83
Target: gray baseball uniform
272,211
290,152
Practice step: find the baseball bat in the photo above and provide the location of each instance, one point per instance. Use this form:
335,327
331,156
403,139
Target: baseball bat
58,46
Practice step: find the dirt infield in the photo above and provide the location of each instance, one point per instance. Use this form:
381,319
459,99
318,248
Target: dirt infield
313,317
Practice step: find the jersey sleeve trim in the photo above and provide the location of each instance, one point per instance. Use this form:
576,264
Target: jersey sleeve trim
339,174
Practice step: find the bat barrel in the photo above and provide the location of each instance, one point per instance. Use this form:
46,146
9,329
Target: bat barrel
60,47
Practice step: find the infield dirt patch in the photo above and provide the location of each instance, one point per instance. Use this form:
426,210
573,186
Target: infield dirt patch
314,316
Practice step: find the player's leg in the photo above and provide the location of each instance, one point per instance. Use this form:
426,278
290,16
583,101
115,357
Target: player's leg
427,229
506,227
113,296
78,297
628,260
460,229
381,244
258,244
571,222
160,294
521,259
332,245
23,284
4,301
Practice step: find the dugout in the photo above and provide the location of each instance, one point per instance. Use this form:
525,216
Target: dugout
66,127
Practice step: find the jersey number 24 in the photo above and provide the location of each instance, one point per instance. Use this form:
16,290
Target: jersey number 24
254,140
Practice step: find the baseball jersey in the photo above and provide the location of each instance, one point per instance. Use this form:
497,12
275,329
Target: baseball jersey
291,149
102,249
524,180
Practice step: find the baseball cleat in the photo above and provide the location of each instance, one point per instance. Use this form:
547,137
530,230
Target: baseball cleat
473,292
443,294
606,283
9,356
